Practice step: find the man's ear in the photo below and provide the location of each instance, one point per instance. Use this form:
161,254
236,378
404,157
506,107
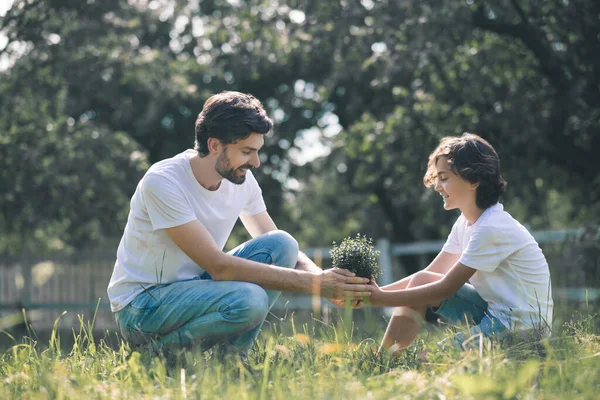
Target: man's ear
214,145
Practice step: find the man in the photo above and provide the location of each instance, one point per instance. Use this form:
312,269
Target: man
172,283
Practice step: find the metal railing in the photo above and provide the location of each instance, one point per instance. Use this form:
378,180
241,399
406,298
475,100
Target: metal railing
64,283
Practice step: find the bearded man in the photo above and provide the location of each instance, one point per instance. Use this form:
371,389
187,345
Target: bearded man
172,284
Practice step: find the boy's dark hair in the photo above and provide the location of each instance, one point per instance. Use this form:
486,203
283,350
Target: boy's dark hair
229,117
473,159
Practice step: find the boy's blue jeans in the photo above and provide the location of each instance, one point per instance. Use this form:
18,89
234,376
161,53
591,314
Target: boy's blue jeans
467,304
204,312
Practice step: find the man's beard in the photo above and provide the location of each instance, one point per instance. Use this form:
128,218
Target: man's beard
223,167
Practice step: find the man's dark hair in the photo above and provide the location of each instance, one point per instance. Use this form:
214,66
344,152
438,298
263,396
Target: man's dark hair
473,159
229,117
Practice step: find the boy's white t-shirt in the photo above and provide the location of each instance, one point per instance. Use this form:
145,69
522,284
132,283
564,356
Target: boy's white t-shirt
167,196
512,273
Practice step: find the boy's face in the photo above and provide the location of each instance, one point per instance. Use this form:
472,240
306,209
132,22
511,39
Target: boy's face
236,159
455,191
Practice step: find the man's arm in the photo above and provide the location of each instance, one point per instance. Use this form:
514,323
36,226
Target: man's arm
306,264
258,224
430,293
262,223
195,241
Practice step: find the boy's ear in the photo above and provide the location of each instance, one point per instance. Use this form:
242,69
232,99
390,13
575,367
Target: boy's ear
474,185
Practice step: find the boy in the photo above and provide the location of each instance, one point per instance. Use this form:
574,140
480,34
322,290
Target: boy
491,269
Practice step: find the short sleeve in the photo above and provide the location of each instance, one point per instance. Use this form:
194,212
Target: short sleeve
452,244
256,203
166,204
486,249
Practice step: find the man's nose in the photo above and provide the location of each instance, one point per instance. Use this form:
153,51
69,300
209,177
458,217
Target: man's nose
255,162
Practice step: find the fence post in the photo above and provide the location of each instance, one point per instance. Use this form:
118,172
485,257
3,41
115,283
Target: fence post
27,283
385,261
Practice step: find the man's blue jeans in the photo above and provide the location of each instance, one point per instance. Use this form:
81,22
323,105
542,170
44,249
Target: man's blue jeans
205,312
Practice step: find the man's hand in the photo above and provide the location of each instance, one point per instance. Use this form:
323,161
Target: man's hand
341,284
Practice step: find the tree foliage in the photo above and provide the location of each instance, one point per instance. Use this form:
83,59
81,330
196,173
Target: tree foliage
94,90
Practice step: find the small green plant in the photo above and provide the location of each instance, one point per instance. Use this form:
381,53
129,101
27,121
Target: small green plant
357,255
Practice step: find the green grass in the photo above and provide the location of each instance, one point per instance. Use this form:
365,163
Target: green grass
310,361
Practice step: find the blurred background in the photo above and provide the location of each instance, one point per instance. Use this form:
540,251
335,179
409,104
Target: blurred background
93,92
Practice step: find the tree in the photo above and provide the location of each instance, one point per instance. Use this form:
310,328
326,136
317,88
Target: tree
430,71
65,182
396,76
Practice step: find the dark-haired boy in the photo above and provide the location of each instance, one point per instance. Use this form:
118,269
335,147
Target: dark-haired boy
491,270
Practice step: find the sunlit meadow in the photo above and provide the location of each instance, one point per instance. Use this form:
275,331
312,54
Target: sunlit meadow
312,360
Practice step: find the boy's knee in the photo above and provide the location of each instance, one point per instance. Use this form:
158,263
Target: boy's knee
409,312
286,249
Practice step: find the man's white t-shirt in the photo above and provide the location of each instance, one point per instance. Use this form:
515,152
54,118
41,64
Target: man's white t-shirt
167,196
512,273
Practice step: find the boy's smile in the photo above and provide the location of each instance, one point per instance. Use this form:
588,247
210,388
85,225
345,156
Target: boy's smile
456,192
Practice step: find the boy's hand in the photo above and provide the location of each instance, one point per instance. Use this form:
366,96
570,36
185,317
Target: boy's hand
377,294
341,284
344,303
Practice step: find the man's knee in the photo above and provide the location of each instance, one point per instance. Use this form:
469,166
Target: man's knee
250,306
285,250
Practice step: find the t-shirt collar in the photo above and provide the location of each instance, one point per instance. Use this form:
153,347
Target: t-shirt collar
496,207
187,155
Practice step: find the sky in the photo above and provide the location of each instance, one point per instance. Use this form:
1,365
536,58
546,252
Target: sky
5,6
4,60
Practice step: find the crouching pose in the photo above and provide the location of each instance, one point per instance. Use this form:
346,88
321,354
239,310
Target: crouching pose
172,284
491,271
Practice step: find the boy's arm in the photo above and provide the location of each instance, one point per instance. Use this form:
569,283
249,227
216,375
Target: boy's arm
431,293
195,241
443,262
440,264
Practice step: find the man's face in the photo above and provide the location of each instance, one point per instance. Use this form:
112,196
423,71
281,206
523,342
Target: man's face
237,158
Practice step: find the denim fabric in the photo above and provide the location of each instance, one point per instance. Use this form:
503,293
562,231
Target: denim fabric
206,312
466,305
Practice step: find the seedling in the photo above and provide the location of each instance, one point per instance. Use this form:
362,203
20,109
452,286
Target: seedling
357,255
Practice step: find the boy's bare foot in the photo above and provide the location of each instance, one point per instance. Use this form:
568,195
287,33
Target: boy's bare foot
395,351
